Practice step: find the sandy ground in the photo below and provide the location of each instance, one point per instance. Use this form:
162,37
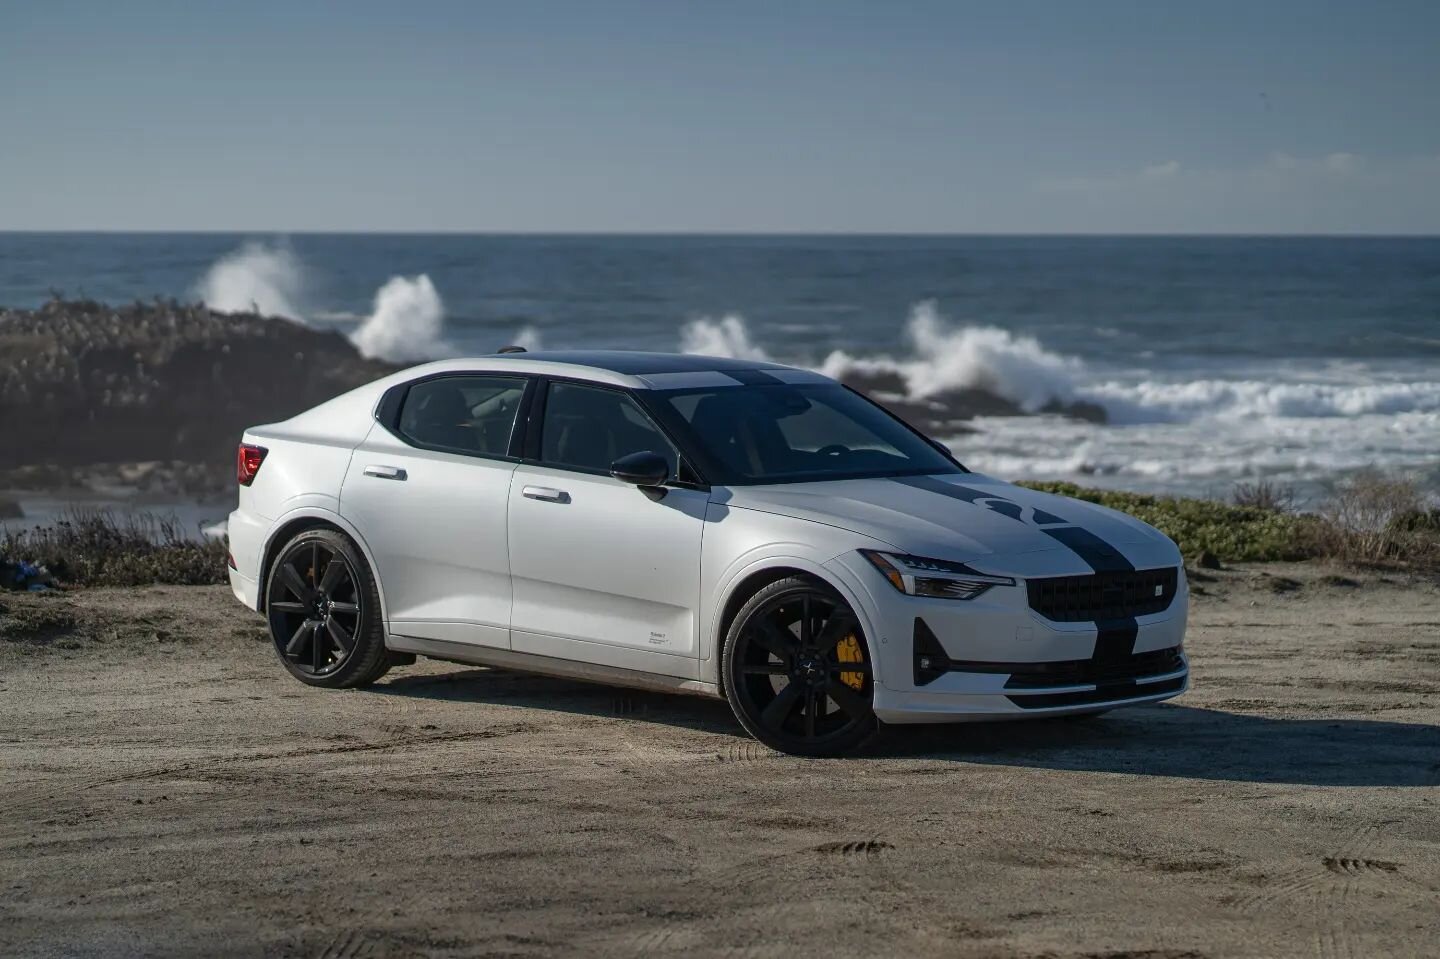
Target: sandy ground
166,789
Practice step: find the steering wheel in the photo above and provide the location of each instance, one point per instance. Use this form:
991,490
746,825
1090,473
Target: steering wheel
834,449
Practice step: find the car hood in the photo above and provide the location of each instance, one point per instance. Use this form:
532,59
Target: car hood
970,516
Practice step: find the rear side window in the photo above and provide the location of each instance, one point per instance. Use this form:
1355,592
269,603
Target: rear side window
462,414
589,428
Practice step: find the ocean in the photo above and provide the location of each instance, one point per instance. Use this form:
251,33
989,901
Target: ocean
1216,359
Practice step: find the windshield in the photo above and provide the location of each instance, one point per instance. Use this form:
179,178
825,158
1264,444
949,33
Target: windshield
792,433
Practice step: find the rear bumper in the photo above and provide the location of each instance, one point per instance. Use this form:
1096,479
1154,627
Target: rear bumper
247,536
245,589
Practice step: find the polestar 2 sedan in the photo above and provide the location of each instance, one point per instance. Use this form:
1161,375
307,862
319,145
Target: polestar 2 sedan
722,527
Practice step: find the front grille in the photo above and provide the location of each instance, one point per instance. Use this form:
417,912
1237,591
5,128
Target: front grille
1088,672
1095,597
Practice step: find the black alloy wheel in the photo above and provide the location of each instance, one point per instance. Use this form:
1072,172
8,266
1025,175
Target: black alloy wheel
323,608
797,671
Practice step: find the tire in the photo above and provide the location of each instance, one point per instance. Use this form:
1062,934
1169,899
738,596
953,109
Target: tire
799,688
324,612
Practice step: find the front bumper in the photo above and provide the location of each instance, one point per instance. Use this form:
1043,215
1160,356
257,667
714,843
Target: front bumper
991,701
1021,664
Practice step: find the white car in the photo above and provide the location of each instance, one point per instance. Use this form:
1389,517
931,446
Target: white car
722,527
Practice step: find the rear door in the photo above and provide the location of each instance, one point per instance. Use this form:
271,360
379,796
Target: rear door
603,571
427,490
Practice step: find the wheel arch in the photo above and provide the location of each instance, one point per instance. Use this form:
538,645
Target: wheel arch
749,580
298,521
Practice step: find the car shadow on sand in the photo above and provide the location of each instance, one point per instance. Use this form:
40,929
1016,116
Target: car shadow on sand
1161,740
1192,743
499,687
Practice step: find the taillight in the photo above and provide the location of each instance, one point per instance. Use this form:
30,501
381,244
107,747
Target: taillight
247,463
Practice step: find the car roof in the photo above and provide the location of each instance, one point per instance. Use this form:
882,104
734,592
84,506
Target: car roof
635,369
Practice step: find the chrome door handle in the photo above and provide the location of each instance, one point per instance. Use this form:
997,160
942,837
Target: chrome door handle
545,494
385,472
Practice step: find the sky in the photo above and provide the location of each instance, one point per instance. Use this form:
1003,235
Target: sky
893,116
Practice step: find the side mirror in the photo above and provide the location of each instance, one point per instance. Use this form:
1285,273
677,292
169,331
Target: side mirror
948,453
642,469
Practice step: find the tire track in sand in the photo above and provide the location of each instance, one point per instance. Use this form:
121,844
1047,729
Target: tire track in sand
61,791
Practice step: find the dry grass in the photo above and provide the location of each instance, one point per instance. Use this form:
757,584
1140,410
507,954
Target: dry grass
1373,518
1267,495
97,548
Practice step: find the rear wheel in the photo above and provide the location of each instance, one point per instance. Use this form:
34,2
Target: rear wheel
324,612
797,671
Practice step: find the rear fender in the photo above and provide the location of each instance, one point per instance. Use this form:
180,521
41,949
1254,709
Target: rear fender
274,543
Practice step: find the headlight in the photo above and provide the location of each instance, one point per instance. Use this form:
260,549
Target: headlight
936,578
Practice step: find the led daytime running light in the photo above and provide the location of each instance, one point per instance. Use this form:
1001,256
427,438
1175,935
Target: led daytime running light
955,580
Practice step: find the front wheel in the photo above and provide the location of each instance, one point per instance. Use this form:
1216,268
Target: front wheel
797,671
324,612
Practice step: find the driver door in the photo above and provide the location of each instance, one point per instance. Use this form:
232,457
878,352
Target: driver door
601,571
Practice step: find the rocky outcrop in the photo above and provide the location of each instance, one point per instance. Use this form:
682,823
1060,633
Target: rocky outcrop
82,382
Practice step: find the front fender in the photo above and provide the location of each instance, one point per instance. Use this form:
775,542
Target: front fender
775,556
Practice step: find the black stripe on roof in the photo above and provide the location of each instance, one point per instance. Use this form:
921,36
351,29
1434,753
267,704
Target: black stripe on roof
634,363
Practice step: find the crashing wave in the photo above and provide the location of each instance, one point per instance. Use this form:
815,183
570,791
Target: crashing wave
406,323
986,358
255,279
951,374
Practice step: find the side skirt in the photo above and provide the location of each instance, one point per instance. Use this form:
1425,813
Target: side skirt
549,666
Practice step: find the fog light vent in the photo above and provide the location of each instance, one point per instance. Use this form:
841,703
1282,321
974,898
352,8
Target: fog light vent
931,660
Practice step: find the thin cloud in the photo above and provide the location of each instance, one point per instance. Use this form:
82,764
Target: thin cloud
1161,171
1336,191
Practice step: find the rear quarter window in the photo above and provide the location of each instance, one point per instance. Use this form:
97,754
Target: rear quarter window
462,414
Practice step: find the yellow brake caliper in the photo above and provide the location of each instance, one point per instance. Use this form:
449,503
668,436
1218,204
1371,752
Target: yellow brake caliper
848,651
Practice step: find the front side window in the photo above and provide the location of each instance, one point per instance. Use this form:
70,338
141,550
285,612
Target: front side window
588,428
793,433
462,414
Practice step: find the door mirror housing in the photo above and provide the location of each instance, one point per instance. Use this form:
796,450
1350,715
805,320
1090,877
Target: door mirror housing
645,469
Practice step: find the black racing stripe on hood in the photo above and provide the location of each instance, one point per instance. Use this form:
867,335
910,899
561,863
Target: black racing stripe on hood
932,485
1012,510
1097,554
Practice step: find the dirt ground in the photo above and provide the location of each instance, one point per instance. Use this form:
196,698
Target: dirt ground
165,788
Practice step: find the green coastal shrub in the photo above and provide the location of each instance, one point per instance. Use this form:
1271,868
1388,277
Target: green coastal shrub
1232,533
